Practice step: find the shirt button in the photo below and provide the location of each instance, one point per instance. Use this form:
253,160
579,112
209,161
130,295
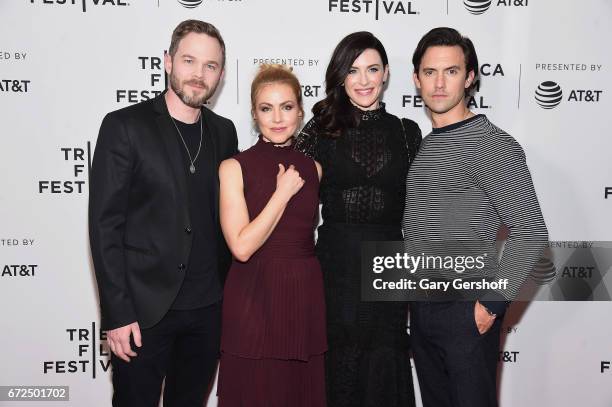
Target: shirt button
181,267
188,230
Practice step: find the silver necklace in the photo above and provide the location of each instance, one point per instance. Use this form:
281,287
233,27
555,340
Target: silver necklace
192,167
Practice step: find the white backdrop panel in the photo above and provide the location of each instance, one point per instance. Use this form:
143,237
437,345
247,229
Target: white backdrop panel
65,63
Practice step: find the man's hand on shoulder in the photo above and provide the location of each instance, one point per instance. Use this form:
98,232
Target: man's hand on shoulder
119,340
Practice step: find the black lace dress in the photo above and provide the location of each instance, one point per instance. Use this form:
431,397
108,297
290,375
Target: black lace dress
363,192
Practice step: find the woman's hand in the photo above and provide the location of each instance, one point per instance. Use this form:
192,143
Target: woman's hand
288,181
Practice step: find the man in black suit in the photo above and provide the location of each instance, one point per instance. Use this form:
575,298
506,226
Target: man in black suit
158,251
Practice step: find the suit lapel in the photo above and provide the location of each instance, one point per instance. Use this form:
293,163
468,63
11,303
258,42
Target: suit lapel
212,135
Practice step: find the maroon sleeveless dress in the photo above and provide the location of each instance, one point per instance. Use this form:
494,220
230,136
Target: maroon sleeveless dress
273,331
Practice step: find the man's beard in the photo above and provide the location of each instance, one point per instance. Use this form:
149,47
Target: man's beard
192,101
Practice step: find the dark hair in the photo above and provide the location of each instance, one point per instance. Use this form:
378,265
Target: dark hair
198,27
336,112
448,37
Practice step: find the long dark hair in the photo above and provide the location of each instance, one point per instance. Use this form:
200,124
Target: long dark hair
335,112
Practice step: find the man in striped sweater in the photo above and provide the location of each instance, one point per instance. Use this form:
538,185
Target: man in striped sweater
469,179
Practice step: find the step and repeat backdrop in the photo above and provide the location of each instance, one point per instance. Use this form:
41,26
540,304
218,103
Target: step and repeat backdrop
544,78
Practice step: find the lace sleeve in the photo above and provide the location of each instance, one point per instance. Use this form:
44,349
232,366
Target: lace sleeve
413,137
307,140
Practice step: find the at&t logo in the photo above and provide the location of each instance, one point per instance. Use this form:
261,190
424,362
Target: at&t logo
14,85
506,356
190,3
478,7
21,270
544,271
578,271
549,95
309,91
196,3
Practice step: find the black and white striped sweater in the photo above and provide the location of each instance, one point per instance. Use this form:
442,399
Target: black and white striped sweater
467,180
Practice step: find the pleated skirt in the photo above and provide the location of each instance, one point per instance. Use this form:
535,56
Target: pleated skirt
247,382
273,333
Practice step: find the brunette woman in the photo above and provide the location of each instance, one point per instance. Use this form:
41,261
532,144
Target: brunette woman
365,153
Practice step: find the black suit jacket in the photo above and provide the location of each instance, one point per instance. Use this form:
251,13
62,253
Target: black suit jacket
139,220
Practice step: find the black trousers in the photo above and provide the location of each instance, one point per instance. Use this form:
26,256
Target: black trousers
183,348
455,364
